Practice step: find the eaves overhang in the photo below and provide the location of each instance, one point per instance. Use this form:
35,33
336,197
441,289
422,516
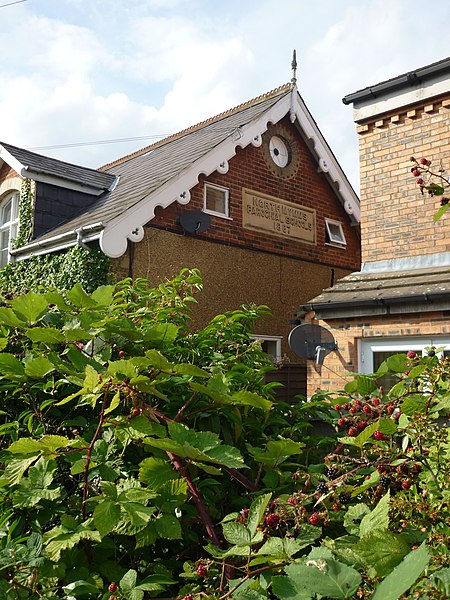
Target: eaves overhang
129,226
396,305
42,176
410,79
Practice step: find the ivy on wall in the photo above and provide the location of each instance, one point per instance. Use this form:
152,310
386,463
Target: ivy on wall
25,216
61,270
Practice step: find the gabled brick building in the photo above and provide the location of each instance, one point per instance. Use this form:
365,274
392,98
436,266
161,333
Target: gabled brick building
254,198
400,300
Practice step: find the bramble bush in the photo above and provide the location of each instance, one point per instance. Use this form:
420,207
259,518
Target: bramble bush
143,459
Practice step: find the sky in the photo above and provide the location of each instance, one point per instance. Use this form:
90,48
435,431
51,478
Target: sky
82,73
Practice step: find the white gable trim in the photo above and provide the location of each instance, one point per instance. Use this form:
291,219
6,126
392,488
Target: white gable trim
129,226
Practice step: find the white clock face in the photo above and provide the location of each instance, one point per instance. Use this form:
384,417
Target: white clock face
279,151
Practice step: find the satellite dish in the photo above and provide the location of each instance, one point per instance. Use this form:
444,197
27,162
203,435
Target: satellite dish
311,342
195,221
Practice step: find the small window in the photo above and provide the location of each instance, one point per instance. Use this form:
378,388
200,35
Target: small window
335,233
9,211
215,200
271,345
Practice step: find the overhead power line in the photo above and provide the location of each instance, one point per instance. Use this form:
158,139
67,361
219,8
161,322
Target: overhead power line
99,142
11,3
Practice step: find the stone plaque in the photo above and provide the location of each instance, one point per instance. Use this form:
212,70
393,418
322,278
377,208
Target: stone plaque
267,214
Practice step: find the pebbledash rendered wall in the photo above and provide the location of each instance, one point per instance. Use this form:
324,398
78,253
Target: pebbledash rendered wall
396,222
241,265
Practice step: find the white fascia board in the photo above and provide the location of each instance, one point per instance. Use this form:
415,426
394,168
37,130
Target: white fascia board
60,182
387,102
130,224
327,161
16,165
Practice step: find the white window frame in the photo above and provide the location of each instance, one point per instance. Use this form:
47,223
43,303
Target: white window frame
276,339
226,192
11,226
368,346
334,240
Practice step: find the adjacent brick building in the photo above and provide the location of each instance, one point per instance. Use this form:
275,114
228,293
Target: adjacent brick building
400,300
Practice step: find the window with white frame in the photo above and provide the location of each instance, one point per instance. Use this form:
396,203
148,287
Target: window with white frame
334,233
271,345
9,212
216,200
372,352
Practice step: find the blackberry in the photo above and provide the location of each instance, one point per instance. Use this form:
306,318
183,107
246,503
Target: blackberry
332,473
344,498
322,488
385,481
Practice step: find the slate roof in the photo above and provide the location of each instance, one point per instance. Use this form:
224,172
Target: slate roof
390,292
146,170
43,165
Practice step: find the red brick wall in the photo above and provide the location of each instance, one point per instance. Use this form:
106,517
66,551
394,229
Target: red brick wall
249,169
396,221
339,365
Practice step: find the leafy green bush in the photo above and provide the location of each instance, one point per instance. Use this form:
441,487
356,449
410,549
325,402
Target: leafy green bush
141,459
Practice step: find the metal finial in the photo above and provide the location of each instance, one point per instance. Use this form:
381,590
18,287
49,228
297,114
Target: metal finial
294,68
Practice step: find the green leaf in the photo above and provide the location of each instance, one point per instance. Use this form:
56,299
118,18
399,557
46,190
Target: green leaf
79,298
168,527
441,212
106,516
161,332
413,405
245,398
158,361
281,548
37,368
398,363
444,576
276,451
80,588
103,295
114,403
121,369
387,426
30,307
155,472
382,550
187,369
287,589
9,317
354,516
16,468
46,335
378,518
256,513
138,515
128,581
327,577
365,385
10,365
236,533
404,575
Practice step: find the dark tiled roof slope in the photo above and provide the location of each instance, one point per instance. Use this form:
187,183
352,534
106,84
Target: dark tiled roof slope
387,286
51,166
143,172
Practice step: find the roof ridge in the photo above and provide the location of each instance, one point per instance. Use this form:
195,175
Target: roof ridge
191,129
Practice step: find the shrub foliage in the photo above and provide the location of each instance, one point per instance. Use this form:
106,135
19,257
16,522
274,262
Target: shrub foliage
142,459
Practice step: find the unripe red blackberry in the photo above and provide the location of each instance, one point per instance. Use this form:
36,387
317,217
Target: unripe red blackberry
406,484
202,571
378,435
272,520
376,401
411,354
314,519
337,506
112,587
352,432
